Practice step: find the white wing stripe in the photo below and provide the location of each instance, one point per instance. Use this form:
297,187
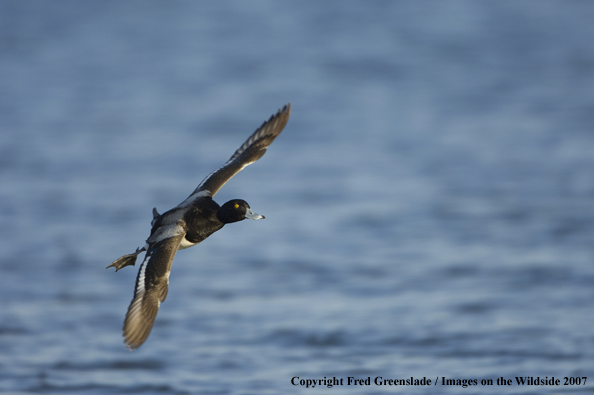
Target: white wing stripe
197,195
141,275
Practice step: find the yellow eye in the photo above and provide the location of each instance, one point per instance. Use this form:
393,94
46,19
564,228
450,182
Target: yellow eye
236,205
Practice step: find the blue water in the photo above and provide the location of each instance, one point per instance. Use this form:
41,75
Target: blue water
429,207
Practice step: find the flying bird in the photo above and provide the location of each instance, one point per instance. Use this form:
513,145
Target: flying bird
186,225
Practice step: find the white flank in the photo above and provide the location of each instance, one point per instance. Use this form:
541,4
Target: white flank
185,244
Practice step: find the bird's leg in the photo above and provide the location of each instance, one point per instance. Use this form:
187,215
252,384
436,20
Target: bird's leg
126,260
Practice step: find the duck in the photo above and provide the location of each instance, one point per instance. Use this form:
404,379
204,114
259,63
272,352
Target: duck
189,223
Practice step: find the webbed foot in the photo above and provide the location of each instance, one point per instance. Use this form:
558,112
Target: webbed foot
126,260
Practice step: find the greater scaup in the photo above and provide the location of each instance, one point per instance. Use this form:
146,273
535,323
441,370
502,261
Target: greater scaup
186,225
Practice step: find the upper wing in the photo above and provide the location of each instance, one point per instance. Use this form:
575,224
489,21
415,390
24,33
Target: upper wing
151,288
252,150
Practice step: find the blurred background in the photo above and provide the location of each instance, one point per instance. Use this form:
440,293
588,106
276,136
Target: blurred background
429,206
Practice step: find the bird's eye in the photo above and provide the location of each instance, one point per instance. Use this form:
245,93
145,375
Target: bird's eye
236,205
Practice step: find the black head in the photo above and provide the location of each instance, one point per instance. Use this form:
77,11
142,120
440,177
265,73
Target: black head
236,210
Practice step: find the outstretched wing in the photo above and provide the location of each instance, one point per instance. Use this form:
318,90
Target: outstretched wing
151,288
252,150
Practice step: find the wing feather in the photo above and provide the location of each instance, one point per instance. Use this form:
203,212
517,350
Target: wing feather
249,152
152,284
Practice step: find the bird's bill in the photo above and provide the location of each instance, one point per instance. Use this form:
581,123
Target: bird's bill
249,213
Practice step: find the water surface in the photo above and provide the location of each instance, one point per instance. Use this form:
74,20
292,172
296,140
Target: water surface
429,207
